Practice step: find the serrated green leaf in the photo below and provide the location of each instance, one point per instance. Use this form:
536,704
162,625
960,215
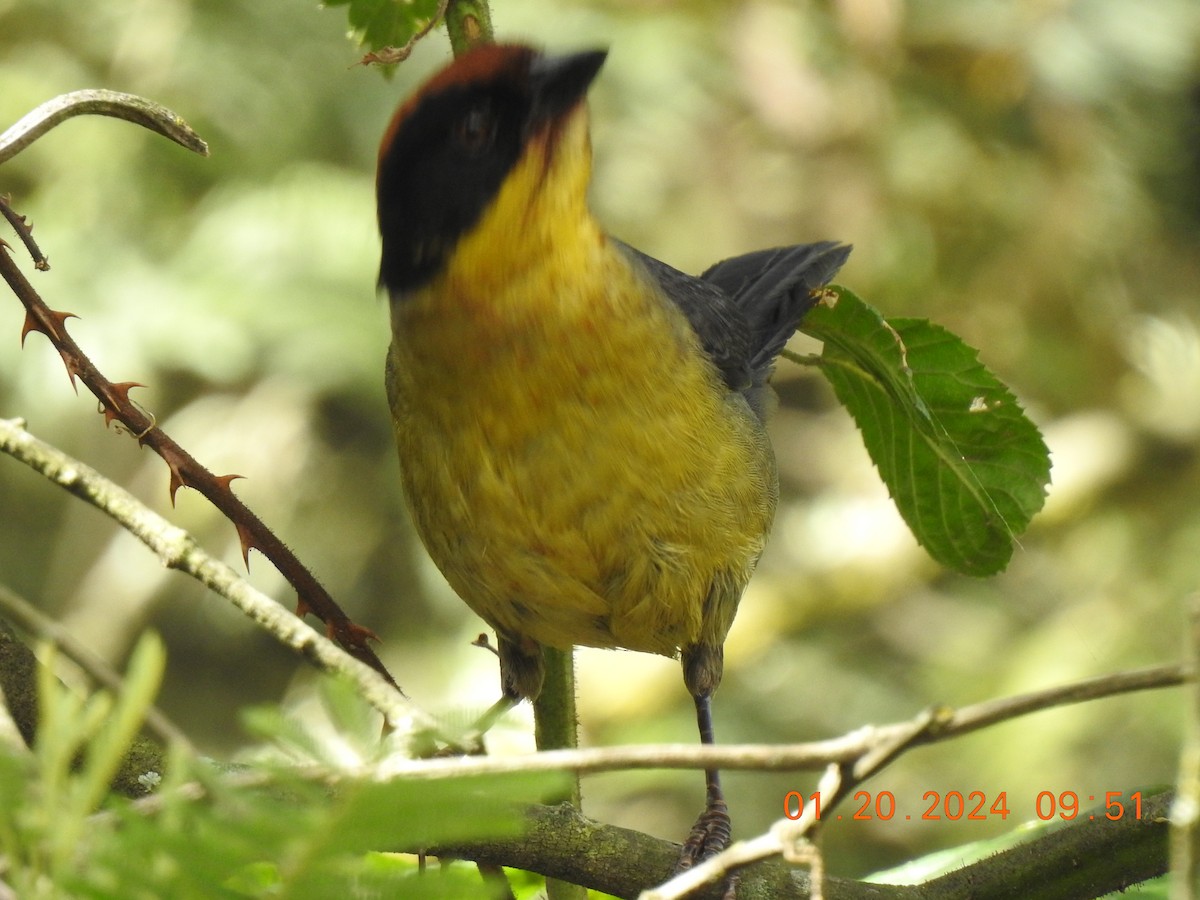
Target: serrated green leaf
386,23
966,468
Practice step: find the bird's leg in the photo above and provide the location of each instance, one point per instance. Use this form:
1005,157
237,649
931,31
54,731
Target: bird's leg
521,675
703,665
522,668
713,830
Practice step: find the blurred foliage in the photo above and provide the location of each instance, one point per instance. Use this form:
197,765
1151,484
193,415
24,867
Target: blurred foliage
1025,174
258,831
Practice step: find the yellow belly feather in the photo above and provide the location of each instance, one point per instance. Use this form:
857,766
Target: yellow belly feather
574,466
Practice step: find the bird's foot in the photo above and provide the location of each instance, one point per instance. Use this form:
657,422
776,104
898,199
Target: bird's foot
709,836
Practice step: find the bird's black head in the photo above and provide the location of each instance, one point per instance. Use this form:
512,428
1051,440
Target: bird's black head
450,147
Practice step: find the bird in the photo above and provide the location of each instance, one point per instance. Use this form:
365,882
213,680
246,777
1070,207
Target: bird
581,427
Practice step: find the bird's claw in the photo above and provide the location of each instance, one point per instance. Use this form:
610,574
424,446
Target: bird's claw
711,834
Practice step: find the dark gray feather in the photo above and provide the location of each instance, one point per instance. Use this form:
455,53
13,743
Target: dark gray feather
744,309
774,289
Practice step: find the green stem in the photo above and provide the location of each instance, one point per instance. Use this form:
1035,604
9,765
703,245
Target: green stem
555,728
554,709
468,22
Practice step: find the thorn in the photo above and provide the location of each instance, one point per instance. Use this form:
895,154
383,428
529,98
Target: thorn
176,481
246,538
56,329
59,319
31,324
72,368
122,389
356,635
302,608
225,480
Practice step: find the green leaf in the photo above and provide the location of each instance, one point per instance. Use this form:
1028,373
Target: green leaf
263,831
966,468
114,739
386,23
940,862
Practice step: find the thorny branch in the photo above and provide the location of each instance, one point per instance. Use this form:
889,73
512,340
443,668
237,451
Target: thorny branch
178,550
25,232
114,398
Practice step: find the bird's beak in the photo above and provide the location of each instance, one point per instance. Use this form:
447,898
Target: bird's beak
560,82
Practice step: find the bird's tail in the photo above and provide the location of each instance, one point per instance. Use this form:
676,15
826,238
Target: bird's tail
774,289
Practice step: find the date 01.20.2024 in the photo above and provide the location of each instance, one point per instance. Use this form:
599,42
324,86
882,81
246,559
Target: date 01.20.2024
975,806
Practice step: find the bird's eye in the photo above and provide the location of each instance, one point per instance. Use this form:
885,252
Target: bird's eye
475,132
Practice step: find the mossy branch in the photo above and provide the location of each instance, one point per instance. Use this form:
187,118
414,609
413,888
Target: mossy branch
1082,859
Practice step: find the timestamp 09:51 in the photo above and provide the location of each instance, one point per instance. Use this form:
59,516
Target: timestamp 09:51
974,806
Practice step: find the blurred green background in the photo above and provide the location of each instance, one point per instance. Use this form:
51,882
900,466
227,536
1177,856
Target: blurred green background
1025,173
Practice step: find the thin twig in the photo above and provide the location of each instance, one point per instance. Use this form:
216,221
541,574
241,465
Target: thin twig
981,715
844,751
95,102
25,232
